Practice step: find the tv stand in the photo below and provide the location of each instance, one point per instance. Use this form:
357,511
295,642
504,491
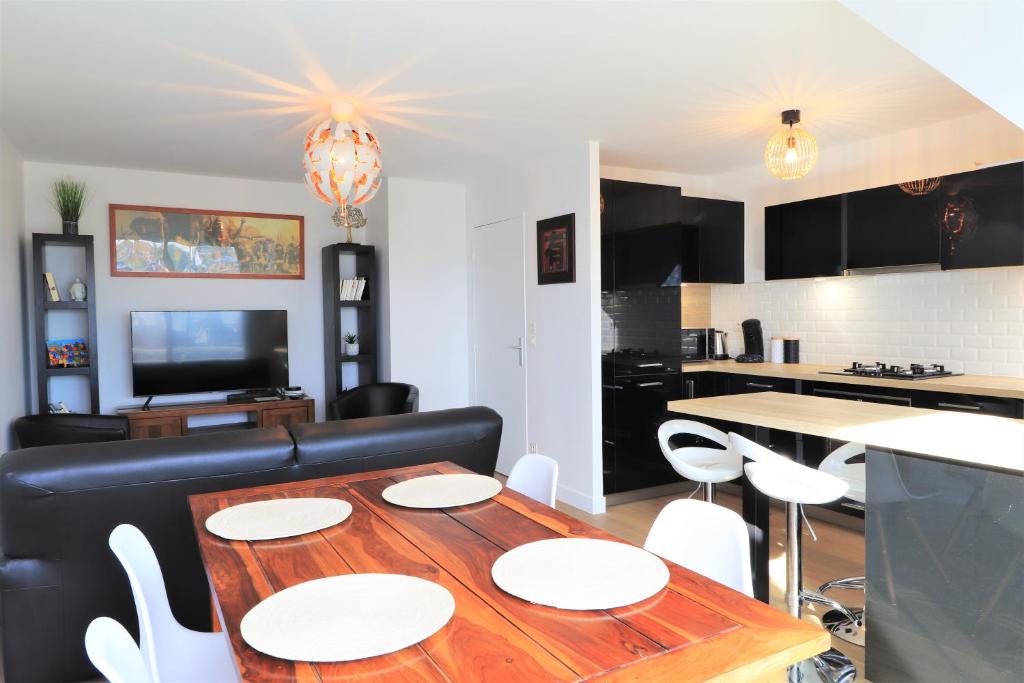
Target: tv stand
173,420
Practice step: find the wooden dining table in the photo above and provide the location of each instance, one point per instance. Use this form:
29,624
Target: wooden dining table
693,630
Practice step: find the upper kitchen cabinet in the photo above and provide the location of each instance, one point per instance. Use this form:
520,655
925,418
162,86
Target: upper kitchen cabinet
804,239
655,256
719,237
631,206
980,217
891,226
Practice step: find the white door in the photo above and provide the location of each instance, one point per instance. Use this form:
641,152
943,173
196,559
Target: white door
498,344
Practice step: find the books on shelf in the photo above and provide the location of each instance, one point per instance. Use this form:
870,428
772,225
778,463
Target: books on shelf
51,287
352,289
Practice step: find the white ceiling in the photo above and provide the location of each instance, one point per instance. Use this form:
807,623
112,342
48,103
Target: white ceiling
229,88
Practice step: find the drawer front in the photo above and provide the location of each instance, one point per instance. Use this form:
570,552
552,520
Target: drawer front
155,427
749,384
968,403
283,417
855,392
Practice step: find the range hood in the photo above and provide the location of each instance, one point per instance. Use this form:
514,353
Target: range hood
882,270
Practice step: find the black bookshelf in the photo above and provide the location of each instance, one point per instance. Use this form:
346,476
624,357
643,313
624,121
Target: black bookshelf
365,315
43,306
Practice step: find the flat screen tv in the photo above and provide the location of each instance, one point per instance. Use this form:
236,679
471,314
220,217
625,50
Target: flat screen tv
191,352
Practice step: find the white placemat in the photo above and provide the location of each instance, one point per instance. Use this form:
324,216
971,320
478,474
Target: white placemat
342,618
279,518
580,573
442,490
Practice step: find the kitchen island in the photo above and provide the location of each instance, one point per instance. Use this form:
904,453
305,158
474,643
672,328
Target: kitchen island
944,528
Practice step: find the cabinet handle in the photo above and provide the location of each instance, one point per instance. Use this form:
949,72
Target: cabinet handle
649,365
690,390
610,443
649,384
755,385
957,406
610,386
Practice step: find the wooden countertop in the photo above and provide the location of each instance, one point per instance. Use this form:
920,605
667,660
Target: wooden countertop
1006,387
978,440
694,630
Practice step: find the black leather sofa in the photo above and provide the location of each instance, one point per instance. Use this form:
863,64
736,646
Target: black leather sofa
58,505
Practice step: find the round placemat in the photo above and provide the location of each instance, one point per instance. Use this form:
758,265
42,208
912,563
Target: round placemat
279,518
342,618
580,573
442,490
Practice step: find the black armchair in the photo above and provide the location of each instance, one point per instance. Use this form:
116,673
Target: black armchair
66,428
375,400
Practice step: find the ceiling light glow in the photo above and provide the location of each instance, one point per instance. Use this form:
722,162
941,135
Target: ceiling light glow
792,152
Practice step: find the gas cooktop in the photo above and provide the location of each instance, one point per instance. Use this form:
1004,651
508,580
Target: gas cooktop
914,371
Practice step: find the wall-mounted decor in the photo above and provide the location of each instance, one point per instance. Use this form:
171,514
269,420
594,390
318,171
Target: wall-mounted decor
556,250
157,241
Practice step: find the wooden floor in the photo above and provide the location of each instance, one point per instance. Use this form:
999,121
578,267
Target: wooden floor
838,552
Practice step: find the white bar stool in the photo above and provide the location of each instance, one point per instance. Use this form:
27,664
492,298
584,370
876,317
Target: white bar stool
847,624
707,466
795,484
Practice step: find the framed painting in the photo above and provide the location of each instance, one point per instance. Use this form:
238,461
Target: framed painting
556,250
154,241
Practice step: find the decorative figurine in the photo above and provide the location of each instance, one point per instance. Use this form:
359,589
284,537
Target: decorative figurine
77,290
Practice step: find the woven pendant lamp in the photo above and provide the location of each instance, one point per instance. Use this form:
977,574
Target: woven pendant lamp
791,152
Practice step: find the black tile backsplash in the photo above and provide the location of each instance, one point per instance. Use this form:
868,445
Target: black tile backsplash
641,318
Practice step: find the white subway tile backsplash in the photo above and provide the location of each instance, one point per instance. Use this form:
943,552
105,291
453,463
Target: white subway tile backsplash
974,320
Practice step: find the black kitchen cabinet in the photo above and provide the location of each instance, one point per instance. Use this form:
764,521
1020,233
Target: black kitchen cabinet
804,239
968,403
887,226
629,206
654,256
981,217
749,384
718,238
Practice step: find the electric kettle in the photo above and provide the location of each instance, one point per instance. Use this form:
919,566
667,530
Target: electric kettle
721,345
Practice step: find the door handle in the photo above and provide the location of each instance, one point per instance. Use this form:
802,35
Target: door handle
520,348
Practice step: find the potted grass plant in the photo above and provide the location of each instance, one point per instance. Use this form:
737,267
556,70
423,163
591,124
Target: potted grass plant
69,198
352,344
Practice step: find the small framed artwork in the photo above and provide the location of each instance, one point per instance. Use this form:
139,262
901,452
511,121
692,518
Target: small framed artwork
556,250
154,241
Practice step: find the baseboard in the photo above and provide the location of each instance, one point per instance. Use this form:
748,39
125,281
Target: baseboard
580,500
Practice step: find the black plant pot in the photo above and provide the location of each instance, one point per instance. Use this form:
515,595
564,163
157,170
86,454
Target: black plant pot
70,227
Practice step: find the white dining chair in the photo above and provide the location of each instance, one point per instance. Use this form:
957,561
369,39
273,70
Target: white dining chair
536,476
706,538
171,651
113,652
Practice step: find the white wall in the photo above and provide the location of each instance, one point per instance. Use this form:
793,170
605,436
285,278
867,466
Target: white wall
977,45
427,266
117,296
14,257
563,321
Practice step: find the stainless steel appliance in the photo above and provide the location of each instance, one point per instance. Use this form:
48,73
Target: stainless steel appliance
696,344
914,371
721,351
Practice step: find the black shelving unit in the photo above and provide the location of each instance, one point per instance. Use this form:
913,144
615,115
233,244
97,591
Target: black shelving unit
43,306
365,315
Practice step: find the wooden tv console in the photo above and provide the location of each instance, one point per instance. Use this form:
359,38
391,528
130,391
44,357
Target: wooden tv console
172,420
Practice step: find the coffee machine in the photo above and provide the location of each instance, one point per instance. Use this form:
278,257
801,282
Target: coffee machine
753,342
